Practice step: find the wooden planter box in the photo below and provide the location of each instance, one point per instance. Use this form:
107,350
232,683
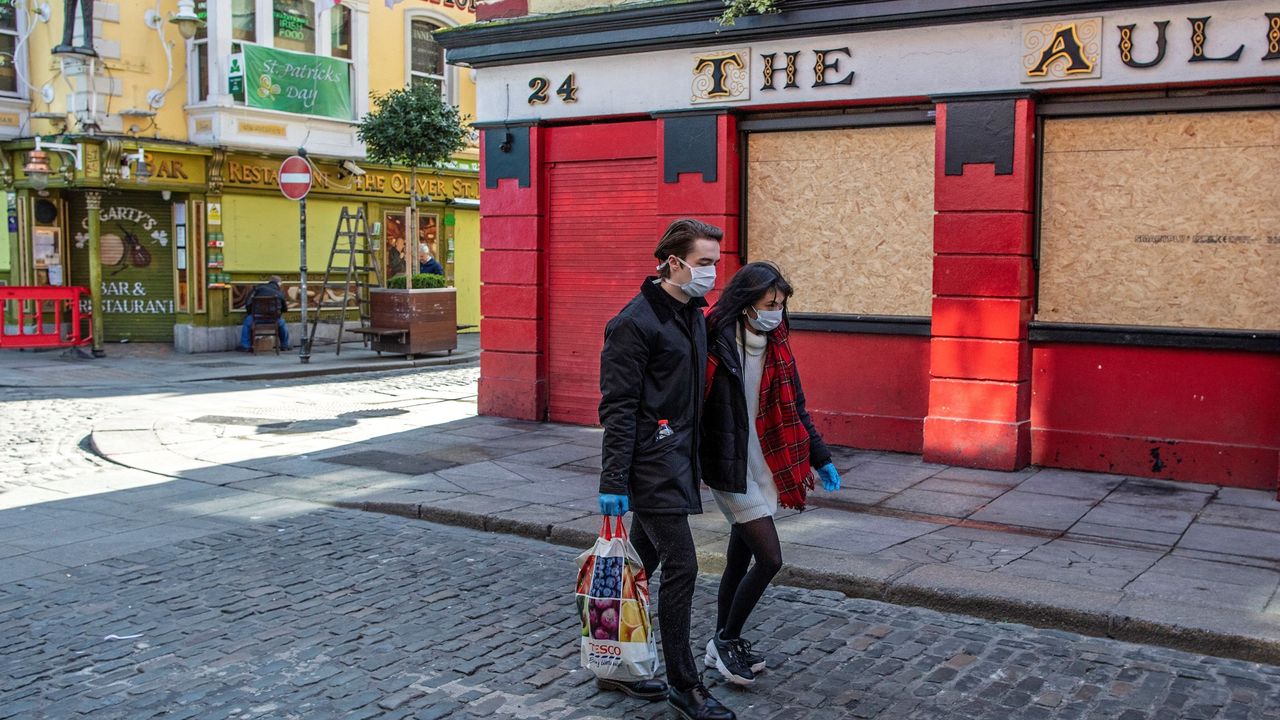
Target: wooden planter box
410,322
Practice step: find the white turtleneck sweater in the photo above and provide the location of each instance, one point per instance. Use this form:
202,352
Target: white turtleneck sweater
761,498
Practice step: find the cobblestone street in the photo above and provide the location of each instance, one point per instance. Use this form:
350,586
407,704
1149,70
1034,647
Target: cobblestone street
313,612
348,615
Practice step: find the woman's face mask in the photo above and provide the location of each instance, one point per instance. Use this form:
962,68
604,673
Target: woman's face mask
765,320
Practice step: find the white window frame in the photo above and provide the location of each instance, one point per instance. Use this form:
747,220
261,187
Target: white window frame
220,42
449,80
21,52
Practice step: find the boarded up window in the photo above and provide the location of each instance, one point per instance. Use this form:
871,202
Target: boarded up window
848,216
1162,220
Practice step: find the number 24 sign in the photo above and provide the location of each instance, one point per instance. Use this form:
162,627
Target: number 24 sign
568,90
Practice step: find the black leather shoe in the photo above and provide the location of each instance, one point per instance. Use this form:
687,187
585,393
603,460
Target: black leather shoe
697,704
643,689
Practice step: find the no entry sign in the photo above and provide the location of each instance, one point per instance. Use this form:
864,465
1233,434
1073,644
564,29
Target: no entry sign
295,177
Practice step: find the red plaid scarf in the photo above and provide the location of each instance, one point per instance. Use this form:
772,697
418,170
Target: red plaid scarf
783,438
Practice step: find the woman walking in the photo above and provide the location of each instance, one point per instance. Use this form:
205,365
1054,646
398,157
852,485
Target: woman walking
759,449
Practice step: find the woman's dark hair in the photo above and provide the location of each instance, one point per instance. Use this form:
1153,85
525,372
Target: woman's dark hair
747,286
679,238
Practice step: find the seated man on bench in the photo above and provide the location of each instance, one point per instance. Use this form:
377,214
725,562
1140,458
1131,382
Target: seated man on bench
271,288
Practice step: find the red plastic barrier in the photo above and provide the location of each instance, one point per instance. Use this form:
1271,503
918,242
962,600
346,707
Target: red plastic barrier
34,317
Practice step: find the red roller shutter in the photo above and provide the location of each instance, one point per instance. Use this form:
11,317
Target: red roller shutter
600,248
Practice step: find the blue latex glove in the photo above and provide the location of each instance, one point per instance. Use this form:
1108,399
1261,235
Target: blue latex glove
830,477
617,504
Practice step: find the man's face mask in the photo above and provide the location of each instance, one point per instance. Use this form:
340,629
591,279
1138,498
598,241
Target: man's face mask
702,280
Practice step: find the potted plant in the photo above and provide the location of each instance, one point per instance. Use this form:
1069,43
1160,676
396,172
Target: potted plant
413,126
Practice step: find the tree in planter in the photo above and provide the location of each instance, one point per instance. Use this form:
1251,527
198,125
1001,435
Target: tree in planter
412,126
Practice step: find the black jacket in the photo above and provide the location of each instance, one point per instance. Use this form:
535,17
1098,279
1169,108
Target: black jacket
725,431
266,290
652,368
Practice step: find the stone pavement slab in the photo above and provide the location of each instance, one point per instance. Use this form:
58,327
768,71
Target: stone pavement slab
1083,564
1034,510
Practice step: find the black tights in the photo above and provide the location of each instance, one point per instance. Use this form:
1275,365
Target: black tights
740,588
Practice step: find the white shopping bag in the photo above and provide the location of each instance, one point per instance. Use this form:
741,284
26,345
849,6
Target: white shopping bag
613,605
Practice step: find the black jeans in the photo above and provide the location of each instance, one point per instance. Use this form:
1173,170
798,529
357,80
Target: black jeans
665,541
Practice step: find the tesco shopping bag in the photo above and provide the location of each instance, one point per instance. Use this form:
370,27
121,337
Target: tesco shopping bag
613,605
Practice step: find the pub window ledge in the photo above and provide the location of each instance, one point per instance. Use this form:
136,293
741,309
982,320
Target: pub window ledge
866,324
1144,336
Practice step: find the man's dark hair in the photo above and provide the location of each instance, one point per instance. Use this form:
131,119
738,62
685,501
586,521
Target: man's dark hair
679,238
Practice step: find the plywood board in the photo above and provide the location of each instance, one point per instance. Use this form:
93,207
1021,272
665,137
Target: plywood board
848,216
1163,220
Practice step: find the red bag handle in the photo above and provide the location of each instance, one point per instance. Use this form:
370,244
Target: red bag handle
610,533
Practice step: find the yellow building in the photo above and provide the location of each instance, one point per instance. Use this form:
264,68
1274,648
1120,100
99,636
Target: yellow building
178,140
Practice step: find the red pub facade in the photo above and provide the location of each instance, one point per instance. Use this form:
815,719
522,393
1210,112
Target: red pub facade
1020,232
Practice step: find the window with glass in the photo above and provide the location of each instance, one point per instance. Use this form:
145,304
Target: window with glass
426,64
294,25
244,20
200,53
8,46
340,32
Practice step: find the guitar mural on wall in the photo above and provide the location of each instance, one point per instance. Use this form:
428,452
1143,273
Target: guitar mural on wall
120,252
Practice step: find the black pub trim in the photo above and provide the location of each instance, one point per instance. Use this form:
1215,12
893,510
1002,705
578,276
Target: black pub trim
663,26
866,324
1143,336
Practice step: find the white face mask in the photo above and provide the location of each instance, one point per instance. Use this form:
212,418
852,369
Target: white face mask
766,320
702,280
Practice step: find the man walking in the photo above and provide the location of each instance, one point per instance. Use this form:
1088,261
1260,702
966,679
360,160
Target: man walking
652,371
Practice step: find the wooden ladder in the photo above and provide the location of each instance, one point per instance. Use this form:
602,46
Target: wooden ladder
359,259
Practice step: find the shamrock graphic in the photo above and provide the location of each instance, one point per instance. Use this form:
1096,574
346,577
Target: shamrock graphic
266,89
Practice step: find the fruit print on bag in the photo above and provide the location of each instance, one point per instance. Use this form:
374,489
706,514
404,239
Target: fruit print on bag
605,618
606,579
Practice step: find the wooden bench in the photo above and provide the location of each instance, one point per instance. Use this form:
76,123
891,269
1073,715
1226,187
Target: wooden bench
378,332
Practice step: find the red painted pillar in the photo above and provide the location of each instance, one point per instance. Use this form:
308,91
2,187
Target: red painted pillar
980,359
699,177
513,374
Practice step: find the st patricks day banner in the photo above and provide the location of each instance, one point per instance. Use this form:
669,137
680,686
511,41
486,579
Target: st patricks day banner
296,82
